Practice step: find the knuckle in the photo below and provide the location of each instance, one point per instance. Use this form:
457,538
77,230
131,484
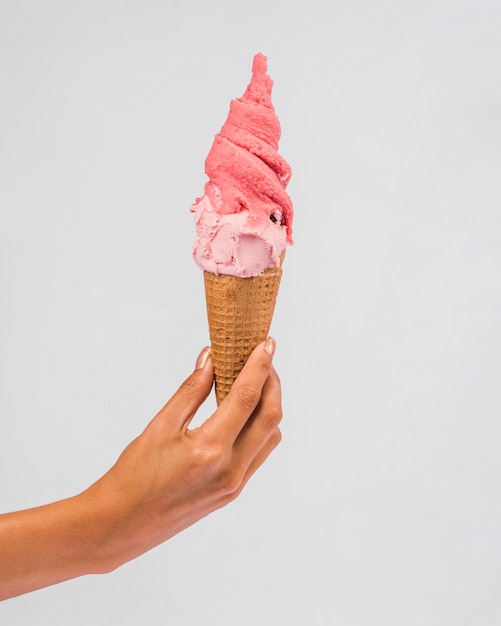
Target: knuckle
275,438
262,368
188,387
247,396
275,377
229,481
208,457
272,416
213,458
263,364
212,461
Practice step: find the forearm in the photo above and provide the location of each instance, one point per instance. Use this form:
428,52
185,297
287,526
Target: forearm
49,544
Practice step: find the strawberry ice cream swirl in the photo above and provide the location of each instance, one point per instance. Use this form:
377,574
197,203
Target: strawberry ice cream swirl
244,219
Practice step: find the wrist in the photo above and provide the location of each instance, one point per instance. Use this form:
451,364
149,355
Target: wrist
102,530
115,524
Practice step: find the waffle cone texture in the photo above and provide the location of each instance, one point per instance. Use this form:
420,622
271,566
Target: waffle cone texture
239,312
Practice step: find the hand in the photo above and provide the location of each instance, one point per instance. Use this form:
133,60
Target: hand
165,480
171,476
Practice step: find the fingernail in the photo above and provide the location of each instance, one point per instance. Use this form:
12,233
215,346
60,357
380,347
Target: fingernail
270,346
202,358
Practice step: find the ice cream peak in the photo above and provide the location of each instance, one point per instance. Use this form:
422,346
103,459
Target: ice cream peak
244,219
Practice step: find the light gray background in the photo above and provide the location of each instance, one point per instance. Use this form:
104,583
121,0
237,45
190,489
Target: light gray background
381,505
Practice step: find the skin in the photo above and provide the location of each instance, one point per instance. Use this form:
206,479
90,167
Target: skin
165,480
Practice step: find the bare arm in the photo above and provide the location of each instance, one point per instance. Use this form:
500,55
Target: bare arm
164,481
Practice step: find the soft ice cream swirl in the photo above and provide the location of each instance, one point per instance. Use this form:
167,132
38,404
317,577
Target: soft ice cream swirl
244,218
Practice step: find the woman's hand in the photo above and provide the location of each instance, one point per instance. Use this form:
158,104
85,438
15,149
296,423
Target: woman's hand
171,476
165,480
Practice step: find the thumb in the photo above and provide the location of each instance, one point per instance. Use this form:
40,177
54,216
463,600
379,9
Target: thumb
183,405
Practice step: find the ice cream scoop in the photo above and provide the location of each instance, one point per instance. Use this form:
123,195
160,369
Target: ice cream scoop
244,219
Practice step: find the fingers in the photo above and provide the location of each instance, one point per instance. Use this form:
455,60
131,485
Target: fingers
244,396
261,434
270,444
236,480
183,405
264,421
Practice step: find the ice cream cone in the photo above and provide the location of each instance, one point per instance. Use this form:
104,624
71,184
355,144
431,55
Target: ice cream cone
244,225
239,312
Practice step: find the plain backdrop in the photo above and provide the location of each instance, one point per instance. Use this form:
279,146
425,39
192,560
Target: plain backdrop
382,504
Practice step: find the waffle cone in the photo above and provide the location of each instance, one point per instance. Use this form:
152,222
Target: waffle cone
239,312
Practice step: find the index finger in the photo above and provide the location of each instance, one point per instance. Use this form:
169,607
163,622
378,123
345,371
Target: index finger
234,411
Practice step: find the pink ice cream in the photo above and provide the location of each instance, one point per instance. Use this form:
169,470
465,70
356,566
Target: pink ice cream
244,218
